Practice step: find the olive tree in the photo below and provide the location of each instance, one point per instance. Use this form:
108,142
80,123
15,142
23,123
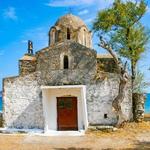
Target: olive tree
122,34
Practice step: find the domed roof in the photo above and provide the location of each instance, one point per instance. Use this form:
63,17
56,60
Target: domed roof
70,21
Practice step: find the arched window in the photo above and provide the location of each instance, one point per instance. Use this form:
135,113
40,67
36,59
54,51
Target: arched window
52,36
68,34
58,35
84,37
66,62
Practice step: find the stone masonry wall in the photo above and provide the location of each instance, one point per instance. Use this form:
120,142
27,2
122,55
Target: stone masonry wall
106,65
99,99
27,66
23,97
78,31
23,103
80,57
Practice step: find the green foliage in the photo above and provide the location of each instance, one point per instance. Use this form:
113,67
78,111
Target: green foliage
120,25
139,84
120,15
133,45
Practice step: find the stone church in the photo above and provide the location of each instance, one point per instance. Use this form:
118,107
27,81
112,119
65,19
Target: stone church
64,86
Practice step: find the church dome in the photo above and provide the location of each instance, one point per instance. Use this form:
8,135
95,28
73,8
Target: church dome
70,27
70,20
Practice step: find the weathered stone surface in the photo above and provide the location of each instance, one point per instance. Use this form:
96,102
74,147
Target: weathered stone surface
22,102
106,65
102,128
27,65
99,99
80,57
138,106
1,119
22,95
78,31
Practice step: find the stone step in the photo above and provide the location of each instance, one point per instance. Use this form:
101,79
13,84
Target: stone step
102,128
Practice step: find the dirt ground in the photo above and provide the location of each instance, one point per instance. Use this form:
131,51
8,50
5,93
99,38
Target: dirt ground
131,136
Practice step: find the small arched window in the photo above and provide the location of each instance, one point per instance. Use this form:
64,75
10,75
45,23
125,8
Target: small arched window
84,38
58,35
53,37
66,62
68,34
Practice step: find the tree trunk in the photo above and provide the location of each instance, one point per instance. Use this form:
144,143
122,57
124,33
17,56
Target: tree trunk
121,70
116,104
132,81
138,107
132,74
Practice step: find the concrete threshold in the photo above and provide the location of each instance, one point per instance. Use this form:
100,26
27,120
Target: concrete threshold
65,133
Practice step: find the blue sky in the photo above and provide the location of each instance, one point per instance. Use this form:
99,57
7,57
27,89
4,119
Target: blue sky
24,20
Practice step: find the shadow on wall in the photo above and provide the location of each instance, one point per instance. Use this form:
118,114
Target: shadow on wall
27,112
31,118
27,109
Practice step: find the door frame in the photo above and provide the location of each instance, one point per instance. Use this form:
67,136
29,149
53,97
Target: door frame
49,94
76,110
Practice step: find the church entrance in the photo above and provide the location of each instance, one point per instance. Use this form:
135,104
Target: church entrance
67,113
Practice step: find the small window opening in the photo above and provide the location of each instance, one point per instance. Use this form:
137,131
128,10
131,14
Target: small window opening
59,36
56,36
66,62
68,33
84,37
105,116
53,37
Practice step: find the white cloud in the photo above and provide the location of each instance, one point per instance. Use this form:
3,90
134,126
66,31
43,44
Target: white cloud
10,13
89,20
38,35
100,4
62,3
148,9
83,12
66,3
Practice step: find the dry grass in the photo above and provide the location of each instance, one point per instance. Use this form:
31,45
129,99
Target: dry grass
128,130
131,136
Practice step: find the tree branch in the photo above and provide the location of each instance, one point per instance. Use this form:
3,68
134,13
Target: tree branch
121,69
106,46
137,20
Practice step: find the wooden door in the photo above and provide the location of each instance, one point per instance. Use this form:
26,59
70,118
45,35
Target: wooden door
67,113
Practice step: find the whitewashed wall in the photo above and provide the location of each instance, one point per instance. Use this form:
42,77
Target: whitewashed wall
50,95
